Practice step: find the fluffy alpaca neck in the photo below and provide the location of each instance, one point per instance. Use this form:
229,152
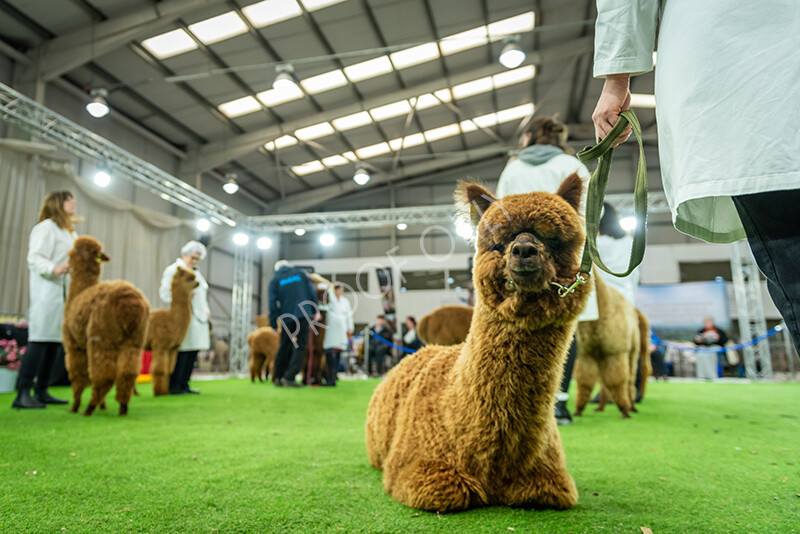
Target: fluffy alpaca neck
181,305
81,281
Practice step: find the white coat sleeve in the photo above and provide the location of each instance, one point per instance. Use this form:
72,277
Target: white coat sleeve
165,290
349,311
624,36
40,250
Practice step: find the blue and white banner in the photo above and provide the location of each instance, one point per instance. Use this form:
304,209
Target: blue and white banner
676,311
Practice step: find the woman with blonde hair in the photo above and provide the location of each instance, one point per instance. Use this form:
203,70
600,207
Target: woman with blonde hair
50,241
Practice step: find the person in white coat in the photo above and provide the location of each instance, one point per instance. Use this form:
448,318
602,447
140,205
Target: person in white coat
198,336
338,329
614,245
50,242
543,164
727,88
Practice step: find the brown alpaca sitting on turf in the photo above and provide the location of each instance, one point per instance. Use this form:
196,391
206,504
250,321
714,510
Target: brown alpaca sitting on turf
263,346
447,325
609,351
472,425
168,328
105,327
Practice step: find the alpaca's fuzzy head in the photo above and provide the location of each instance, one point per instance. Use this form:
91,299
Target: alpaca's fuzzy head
86,256
183,282
525,244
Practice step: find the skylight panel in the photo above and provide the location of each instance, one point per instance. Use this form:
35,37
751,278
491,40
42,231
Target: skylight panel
373,150
281,142
308,168
348,122
408,141
368,69
468,126
169,44
443,131
475,87
511,77
515,113
324,82
240,106
219,28
335,161
390,110
643,101
271,12
415,55
314,131
350,156
459,42
429,100
519,24
484,121
274,97
313,5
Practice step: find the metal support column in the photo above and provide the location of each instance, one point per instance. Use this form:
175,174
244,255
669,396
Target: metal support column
241,309
752,323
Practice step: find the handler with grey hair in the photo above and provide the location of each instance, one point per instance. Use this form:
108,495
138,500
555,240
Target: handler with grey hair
197,337
293,303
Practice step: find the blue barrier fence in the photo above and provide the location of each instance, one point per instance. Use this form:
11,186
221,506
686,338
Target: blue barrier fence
658,341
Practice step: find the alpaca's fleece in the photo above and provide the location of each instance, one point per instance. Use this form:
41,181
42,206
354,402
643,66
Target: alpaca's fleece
609,351
263,346
448,325
472,425
105,328
168,329
317,332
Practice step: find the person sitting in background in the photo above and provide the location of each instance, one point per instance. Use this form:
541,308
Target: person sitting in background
379,349
339,329
710,335
410,339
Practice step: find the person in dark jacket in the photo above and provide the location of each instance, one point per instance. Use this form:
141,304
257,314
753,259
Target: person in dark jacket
293,304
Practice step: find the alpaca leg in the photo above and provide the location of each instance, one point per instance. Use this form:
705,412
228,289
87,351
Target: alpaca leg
159,369
550,486
263,373
77,365
602,399
102,371
434,486
634,367
128,365
613,372
100,388
584,374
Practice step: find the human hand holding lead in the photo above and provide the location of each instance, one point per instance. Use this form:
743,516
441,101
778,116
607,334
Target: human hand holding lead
615,98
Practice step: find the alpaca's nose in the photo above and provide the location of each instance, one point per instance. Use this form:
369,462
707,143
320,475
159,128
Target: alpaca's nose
524,249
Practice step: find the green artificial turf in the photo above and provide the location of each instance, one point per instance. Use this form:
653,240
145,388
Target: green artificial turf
242,457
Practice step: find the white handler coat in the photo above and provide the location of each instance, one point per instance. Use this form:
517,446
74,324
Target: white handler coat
339,319
198,336
47,249
727,93
523,176
615,254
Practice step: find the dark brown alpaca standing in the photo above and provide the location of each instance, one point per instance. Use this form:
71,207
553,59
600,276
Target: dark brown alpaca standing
318,362
263,345
105,327
472,425
168,328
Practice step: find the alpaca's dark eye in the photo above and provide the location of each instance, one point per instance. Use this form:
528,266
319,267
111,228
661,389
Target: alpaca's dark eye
497,247
554,243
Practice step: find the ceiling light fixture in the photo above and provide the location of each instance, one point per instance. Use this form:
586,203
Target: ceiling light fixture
402,226
327,239
284,78
102,177
300,232
230,186
361,176
98,107
512,54
264,243
204,225
240,239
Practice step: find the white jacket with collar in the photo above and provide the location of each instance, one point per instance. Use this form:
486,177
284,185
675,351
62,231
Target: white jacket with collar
339,321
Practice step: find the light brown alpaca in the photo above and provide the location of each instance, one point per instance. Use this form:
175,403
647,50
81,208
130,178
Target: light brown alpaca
168,329
105,327
263,346
472,425
447,325
609,350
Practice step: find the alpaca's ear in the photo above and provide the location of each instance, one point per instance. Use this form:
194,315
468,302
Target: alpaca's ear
474,199
570,190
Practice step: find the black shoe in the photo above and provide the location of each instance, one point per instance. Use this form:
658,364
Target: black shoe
290,383
192,391
562,414
24,401
46,398
176,392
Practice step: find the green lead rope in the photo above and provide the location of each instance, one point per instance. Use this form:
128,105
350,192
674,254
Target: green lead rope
603,152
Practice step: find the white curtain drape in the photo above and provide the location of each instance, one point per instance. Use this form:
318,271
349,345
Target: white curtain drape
140,242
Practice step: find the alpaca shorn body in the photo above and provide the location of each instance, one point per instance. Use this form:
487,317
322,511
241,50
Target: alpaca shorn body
104,331
168,329
472,425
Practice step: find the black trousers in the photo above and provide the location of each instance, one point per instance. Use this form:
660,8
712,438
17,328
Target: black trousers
772,223
184,365
37,363
569,364
332,359
289,357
